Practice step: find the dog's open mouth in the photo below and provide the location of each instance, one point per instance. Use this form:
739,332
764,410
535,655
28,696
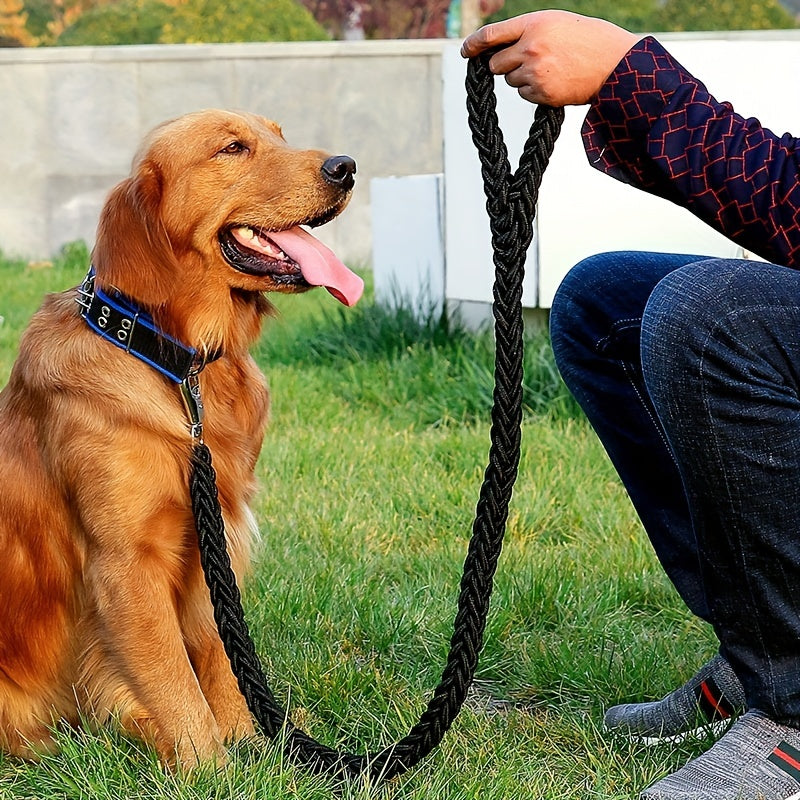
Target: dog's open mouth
291,257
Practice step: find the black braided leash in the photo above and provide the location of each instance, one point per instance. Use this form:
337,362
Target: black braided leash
511,201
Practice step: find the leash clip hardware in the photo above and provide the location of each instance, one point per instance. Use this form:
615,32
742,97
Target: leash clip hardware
190,391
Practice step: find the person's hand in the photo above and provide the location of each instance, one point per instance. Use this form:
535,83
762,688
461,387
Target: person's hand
553,57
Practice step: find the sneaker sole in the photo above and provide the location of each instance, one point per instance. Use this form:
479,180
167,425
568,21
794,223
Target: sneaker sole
715,729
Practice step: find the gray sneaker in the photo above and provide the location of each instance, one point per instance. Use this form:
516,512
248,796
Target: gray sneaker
709,699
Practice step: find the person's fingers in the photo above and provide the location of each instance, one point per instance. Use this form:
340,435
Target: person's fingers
507,60
527,88
490,36
517,78
530,94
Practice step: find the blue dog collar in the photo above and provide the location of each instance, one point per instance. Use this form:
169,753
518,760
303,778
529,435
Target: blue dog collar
117,319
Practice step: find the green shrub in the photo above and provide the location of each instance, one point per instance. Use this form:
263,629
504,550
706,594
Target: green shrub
125,22
153,22
635,15
669,15
248,21
723,15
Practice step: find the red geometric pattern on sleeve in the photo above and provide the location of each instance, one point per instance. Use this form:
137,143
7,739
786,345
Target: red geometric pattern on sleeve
655,126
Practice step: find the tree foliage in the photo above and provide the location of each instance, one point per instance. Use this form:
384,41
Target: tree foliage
13,19
724,15
669,15
387,19
144,21
154,21
247,21
40,13
48,19
124,22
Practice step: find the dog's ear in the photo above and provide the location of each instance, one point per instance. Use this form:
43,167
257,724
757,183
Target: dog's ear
132,250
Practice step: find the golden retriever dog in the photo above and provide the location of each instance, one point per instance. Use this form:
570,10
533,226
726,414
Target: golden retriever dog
104,612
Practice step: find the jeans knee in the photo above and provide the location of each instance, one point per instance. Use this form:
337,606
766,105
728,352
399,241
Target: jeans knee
574,293
579,311
597,310
696,305
680,310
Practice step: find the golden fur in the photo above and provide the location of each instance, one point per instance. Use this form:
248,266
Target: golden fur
104,613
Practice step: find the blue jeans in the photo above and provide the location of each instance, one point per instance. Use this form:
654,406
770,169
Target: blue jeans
688,368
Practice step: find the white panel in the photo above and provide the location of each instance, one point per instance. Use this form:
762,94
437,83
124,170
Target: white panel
757,76
470,271
408,240
582,211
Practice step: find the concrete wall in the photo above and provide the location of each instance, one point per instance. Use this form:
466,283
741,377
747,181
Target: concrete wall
71,120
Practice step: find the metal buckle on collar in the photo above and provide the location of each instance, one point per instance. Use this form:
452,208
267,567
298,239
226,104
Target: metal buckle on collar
85,292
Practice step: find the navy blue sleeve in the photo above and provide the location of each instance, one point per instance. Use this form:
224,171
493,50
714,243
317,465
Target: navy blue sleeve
655,126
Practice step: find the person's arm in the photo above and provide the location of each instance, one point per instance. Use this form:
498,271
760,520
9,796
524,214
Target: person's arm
657,127
654,125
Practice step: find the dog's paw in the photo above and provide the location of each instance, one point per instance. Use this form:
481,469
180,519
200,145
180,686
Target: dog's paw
189,754
241,730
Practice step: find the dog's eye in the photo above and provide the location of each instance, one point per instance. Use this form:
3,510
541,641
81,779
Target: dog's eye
235,147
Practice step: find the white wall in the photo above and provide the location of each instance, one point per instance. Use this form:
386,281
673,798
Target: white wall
581,211
408,241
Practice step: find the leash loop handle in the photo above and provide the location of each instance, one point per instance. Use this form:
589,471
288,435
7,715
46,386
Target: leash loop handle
510,202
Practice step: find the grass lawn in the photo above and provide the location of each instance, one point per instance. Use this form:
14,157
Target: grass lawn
370,473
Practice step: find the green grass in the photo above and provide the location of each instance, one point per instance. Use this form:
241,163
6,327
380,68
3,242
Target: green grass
370,472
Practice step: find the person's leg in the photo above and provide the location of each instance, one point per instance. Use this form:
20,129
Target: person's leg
595,324
721,360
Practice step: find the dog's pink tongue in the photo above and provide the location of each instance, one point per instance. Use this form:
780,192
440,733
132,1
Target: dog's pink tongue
319,265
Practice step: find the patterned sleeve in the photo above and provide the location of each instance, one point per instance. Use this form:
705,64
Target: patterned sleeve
655,126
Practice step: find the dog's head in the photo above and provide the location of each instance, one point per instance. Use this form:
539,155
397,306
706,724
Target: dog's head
212,211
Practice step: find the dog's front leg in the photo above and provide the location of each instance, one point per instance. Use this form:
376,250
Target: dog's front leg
220,687
134,592
211,664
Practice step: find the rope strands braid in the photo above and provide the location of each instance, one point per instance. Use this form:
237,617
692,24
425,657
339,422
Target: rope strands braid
510,202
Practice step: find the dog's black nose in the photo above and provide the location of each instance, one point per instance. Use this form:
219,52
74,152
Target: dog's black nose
339,171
